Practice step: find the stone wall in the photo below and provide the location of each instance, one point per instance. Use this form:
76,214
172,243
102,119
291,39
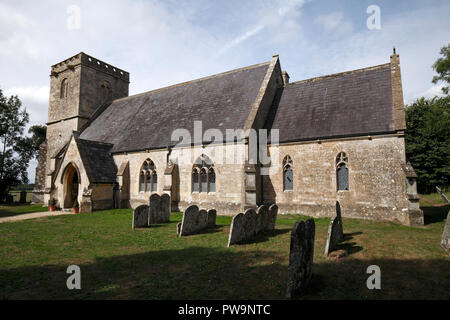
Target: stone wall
227,199
377,183
39,182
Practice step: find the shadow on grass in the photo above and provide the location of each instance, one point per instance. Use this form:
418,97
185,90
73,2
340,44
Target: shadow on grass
266,235
213,273
435,214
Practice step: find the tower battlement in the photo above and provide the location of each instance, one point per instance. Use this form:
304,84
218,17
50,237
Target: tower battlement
83,59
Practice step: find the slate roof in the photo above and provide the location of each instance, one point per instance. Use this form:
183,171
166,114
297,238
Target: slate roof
98,161
146,121
352,103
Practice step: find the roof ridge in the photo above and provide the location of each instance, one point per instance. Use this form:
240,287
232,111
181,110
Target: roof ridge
196,80
340,74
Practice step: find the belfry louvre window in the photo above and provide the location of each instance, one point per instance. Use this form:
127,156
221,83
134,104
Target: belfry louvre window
203,175
288,175
148,179
64,88
342,171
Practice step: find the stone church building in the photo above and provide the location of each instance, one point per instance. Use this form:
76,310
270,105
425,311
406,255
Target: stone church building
333,138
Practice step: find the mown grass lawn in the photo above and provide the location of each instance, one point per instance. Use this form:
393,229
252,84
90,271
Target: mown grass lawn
119,263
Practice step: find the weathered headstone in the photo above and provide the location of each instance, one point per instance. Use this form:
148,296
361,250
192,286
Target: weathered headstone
159,208
445,240
335,231
338,215
212,214
273,211
140,217
165,208
237,232
300,257
194,220
444,197
23,196
247,225
154,202
262,218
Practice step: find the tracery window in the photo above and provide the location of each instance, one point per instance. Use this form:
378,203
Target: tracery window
342,171
203,175
148,178
288,175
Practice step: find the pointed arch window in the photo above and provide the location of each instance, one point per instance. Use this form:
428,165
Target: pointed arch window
288,174
64,88
148,179
342,171
203,175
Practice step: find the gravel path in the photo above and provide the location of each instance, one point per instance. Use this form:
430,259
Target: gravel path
34,215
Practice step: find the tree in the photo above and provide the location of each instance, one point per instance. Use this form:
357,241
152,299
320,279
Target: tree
428,141
442,67
14,147
38,134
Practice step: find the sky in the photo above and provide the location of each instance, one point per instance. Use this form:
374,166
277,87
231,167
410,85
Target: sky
166,42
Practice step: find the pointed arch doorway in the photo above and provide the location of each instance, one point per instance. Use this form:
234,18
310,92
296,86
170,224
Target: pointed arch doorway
71,182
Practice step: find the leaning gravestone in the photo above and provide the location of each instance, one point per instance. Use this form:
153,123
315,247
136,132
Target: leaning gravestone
338,215
237,232
212,214
445,240
335,231
262,218
194,220
140,217
246,226
300,257
249,224
273,211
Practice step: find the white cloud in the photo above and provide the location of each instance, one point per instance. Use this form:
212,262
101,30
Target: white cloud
279,21
15,38
335,23
37,95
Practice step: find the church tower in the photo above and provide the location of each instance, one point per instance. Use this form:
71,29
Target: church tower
80,88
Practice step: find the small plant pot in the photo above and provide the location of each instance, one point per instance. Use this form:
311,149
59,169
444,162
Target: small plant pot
76,210
52,208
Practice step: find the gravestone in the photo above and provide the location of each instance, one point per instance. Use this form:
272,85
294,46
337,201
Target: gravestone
262,218
165,208
338,215
194,220
237,232
212,214
249,224
300,257
178,228
246,226
23,196
159,208
445,240
154,203
140,217
272,219
335,231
